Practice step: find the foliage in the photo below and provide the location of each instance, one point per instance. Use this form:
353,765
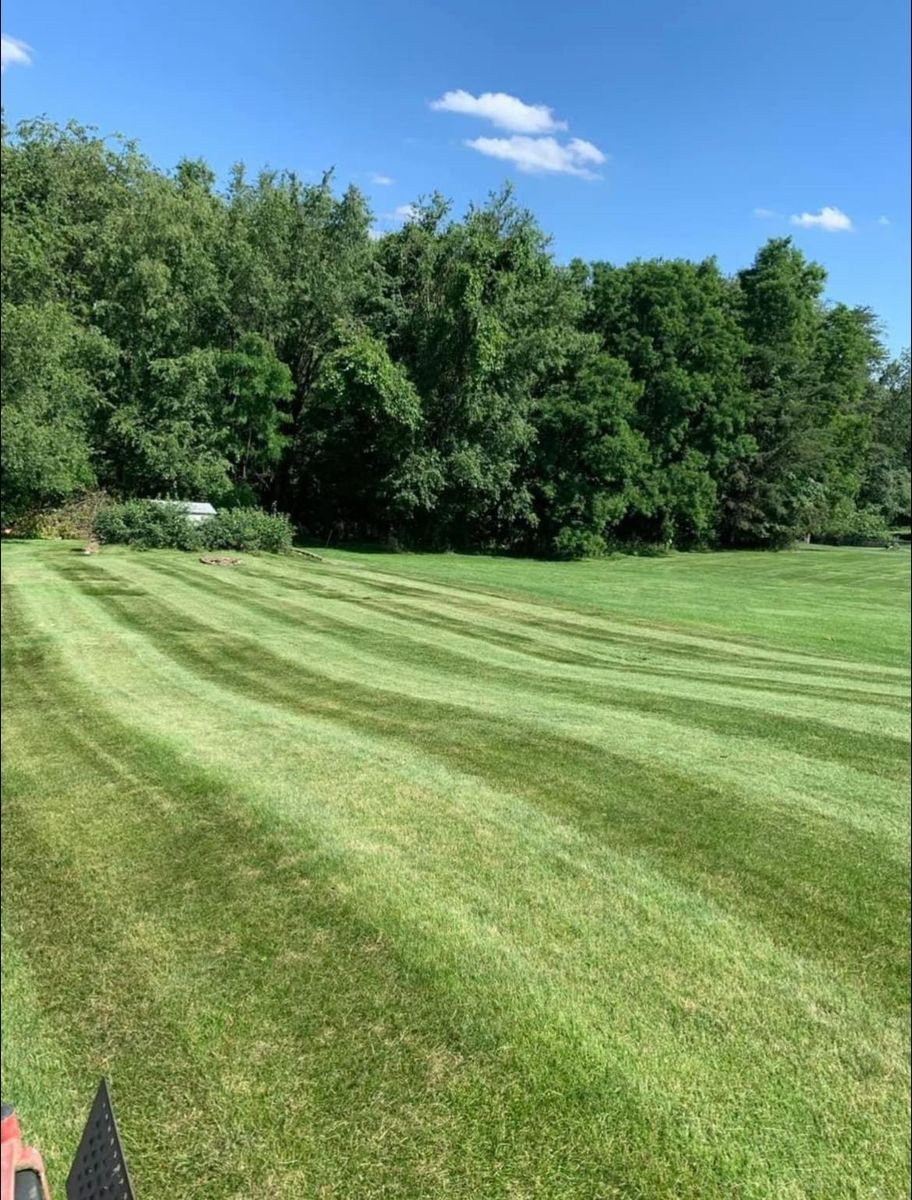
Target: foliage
153,525
51,380
810,372
248,529
74,518
573,543
887,483
167,436
676,326
848,525
448,385
482,321
358,434
256,384
589,462
147,525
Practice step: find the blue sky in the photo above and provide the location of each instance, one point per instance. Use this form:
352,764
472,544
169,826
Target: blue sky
631,130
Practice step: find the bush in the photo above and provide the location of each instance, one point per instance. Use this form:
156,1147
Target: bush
640,548
573,543
246,529
73,519
851,526
151,526
147,526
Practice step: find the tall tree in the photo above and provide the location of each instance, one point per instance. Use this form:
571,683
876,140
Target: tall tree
257,386
887,483
781,318
481,319
299,269
589,463
52,380
357,439
675,325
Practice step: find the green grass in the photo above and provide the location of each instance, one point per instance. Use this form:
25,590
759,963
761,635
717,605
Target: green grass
436,876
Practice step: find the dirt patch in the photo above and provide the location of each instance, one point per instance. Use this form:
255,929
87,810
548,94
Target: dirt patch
221,562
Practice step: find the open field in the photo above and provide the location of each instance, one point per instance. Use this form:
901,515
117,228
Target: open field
435,876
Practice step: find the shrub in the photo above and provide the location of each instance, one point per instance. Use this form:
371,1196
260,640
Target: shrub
578,543
75,518
640,548
246,529
147,526
851,526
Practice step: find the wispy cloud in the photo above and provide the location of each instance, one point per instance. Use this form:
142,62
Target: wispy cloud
884,221
831,220
543,155
401,215
504,111
12,50
766,213
404,212
381,180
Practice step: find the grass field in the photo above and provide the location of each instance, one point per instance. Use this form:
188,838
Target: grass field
433,876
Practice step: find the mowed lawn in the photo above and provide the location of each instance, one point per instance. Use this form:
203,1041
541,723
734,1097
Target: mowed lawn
437,876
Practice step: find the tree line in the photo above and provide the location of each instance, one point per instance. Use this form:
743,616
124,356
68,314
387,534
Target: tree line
447,384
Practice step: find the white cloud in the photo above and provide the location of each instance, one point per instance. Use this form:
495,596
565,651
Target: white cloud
831,220
506,112
544,154
527,149
405,212
884,221
13,51
584,151
381,180
401,215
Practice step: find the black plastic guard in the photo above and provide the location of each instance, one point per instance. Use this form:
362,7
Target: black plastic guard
99,1171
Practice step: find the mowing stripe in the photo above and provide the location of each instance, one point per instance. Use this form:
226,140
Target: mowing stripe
349,918
739,853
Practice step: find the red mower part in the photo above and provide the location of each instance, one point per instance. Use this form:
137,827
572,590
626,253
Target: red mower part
21,1169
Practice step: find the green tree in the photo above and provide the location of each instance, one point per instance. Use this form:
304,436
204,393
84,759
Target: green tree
61,185
299,270
170,440
675,325
483,321
52,379
256,388
356,441
781,319
589,462
887,483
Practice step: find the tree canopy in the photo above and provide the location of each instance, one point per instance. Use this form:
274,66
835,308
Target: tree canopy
445,384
